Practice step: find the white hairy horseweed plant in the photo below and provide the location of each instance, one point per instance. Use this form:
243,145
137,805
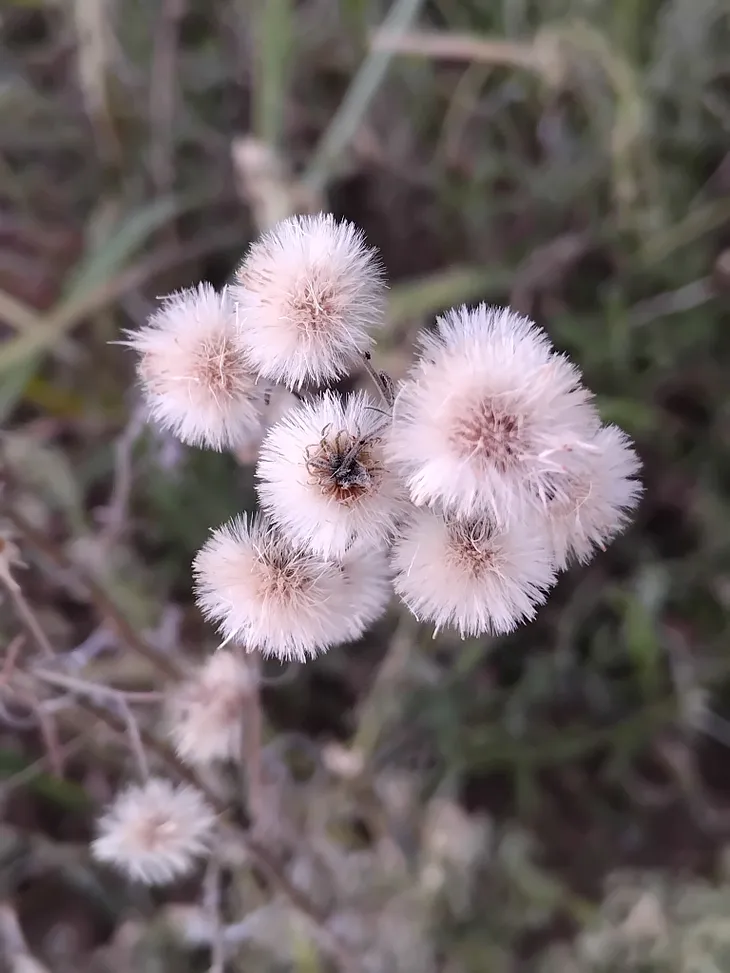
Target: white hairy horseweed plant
465,489
487,475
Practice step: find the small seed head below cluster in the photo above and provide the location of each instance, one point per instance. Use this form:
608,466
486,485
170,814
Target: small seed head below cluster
154,832
309,293
323,476
193,370
489,411
473,574
205,713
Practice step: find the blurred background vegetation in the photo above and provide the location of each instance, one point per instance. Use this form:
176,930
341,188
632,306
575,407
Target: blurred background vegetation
553,801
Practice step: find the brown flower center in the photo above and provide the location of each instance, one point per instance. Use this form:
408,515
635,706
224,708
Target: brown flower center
155,830
315,308
343,467
219,367
283,580
487,431
470,547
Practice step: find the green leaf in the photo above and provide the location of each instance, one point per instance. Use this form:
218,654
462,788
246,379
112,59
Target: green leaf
439,291
103,262
12,386
48,472
274,41
61,792
357,100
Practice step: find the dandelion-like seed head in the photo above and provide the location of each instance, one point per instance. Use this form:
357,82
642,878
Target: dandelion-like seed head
323,476
154,832
193,370
309,292
489,412
474,575
205,713
269,595
591,503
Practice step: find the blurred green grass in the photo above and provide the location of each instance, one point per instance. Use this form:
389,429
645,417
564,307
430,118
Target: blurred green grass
569,157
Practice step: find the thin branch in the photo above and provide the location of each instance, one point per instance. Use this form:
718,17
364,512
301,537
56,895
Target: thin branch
163,90
45,722
11,657
135,739
212,905
380,380
114,515
683,299
99,598
92,689
25,612
251,744
457,47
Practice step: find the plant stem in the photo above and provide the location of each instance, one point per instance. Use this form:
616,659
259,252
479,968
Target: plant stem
251,743
383,385
25,613
99,598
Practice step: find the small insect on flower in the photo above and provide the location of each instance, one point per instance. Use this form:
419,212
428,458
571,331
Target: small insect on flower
270,596
154,832
309,292
205,713
473,575
193,370
587,507
488,414
323,477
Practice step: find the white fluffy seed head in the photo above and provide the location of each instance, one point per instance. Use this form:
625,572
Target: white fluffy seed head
309,292
591,505
489,413
154,832
472,575
270,596
323,477
205,713
193,370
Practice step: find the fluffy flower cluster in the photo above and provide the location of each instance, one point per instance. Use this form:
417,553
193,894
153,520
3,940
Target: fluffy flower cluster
503,452
466,490
488,475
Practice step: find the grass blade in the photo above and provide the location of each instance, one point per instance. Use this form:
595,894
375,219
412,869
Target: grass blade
274,37
130,234
357,100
